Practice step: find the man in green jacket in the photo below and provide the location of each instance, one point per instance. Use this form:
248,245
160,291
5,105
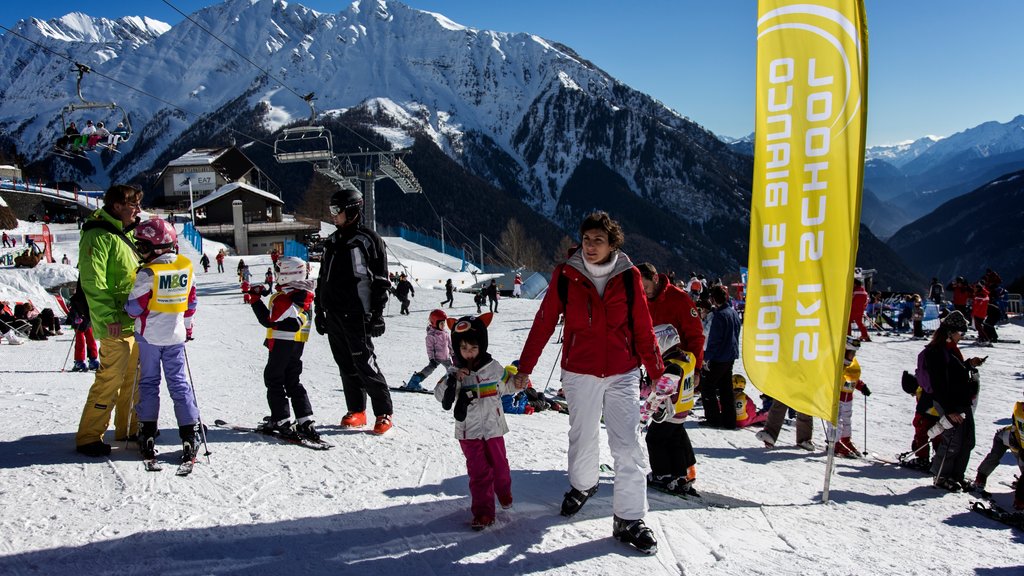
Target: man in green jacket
107,265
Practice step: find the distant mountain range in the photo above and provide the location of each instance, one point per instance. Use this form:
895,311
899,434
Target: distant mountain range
516,118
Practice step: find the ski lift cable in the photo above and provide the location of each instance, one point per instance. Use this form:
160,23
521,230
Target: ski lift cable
304,97
201,117
507,259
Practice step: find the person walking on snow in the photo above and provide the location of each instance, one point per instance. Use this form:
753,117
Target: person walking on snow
858,305
439,349
163,302
607,334
517,286
287,318
449,294
402,291
205,261
351,293
473,392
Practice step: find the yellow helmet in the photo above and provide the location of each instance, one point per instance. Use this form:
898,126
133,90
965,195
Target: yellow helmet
738,382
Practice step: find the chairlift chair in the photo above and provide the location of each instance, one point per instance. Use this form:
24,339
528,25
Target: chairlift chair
84,104
309,143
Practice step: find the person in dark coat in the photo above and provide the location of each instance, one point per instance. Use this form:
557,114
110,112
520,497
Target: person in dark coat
449,294
402,292
351,293
954,383
492,296
722,351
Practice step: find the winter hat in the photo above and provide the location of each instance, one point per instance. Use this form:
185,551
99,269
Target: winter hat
155,236
475,326
852,344
290,269
955,322
436,316
739,382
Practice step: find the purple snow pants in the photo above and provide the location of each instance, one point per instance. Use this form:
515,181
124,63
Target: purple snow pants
173,360
488,474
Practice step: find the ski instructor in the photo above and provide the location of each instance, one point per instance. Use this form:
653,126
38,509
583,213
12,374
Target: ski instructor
351,292
607,334
107,265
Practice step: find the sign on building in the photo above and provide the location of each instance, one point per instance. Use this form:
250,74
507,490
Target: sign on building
201,182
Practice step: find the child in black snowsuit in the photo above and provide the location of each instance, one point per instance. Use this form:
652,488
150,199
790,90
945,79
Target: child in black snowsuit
288,319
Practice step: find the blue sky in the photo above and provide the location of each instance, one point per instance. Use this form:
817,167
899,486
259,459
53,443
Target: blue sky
935,66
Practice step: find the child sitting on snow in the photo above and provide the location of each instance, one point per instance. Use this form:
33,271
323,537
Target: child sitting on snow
163,301
288,319
473,387
746,412
851,382
439,349
1006,438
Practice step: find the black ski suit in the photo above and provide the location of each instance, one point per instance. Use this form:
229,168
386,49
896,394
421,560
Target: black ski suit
402,292
351,292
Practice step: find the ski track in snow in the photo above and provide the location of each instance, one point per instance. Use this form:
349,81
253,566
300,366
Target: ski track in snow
399,503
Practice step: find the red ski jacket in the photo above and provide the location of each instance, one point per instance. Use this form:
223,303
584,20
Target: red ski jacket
979,307
675,307
596,338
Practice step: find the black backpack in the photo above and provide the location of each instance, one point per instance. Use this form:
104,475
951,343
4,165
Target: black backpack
79,303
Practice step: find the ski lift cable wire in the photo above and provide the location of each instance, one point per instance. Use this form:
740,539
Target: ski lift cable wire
201,117
304,97
507,259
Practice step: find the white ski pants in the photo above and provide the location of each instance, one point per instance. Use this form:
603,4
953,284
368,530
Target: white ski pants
618,398
844,421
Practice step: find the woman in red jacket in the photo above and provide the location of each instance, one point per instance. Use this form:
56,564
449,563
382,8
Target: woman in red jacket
607,334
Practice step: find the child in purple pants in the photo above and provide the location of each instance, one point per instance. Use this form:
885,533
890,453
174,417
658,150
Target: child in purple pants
473,391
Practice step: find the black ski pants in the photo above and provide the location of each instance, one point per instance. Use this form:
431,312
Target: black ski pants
281,376
716,395
360,375
954,451
669,448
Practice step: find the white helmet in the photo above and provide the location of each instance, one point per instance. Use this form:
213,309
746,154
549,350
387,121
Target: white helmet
667,336
290,269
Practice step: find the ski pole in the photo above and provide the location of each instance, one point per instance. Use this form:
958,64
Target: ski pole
202,427
135,385
64,366
865,424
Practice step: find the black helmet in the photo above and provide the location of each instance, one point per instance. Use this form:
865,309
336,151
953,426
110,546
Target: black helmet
348,200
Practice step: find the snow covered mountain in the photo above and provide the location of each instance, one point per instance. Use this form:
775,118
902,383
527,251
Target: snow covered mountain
900,154
525,114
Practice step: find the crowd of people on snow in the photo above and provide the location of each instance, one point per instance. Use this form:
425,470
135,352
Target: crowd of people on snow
639,352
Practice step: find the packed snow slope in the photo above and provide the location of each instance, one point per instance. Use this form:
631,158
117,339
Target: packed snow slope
399,503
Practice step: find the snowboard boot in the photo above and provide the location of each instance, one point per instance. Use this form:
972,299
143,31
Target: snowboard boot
636,534
307,430
481,522
353,419
94,449
79,366
188,442
575,499
414,382
147,440
94,364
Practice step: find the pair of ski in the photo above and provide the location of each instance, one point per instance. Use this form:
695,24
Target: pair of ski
404,388
154,465
690,495
289,438
989,509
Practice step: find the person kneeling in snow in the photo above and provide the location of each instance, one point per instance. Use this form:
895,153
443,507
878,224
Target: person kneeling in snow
1006,438
472,391
287,320
162,302
439,349
746,411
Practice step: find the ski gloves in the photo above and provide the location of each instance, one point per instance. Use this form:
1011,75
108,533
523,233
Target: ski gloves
452,396
320,321
376,325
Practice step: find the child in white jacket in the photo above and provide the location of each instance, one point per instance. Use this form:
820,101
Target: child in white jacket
474,386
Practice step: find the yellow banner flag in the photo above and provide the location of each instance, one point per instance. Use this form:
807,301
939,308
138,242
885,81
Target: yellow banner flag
805,211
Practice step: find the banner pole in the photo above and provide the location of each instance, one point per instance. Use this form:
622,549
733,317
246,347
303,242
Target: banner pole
830,438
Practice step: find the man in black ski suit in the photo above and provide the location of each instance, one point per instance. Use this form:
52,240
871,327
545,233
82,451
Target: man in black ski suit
351,293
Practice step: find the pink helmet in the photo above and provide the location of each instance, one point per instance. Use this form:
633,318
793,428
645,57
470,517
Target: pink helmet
155,235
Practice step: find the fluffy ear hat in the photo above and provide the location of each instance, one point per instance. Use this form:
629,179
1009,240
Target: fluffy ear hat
955,322
475,325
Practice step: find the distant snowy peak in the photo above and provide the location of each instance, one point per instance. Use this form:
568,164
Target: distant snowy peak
78,27
982,141
901,153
